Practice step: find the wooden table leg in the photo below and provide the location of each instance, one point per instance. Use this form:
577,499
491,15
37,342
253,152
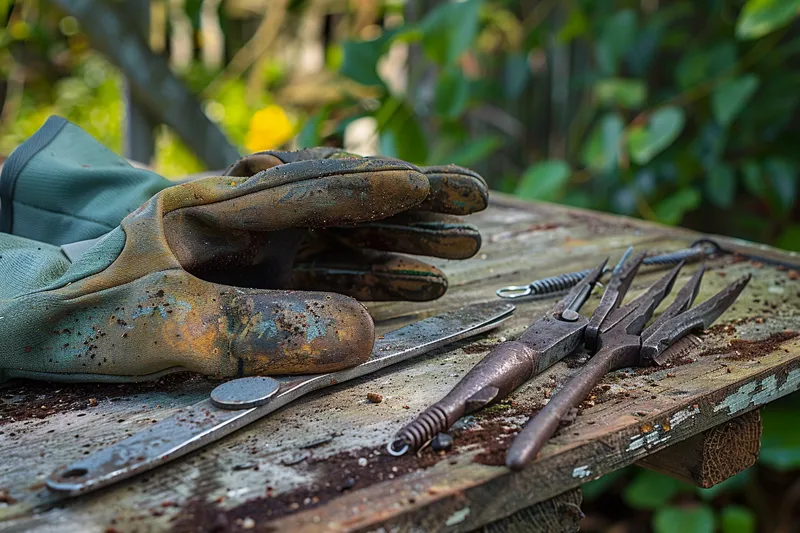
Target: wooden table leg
712,456
560,514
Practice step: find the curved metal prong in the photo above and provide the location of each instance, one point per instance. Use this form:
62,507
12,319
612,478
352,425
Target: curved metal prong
700,317
682,302
578,294
615,292
632,317
622,260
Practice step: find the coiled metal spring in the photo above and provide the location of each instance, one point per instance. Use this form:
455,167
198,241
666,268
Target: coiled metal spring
673,258
427,425
563,282
540,287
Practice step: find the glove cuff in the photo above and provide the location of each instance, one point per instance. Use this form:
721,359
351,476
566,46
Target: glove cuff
16,163
62,186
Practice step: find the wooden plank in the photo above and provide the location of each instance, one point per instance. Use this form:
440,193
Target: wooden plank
302,469
712,456
559,514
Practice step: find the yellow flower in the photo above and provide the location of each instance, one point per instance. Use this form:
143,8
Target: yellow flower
19,30
270,127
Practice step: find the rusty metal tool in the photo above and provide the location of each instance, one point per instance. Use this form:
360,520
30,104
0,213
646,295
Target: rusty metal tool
553,285
618,337
239,402
506,367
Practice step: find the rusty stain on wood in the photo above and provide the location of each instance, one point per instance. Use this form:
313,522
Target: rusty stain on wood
635,412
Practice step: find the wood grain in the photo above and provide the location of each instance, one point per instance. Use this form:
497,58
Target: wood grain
292,470
559,514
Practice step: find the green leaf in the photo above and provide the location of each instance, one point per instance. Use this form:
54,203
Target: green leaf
603,149
615,40
452,93
696,519
401,135
576,26
629,94
664,126
472,152
583,200
730,97
516,74
780,441
760,17
546,180
650,490
449,30
751,175
789,239
671,209
782,189
737,519
310,135
697,66
360,61
721,57
721,186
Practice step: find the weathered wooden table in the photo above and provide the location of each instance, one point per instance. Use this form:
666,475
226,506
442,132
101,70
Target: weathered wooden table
320,465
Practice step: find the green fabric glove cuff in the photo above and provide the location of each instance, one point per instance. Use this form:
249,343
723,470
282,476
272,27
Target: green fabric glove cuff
62,186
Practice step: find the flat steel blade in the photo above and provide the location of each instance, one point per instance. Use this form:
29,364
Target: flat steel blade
202,423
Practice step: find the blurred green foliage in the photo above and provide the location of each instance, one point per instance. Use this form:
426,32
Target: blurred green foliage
684,113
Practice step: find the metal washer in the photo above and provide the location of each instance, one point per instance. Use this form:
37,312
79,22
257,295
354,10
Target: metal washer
244,393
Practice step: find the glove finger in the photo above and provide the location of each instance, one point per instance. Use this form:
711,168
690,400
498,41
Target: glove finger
316,193
291,332
455,190
254,163
371,276
170,320
416,233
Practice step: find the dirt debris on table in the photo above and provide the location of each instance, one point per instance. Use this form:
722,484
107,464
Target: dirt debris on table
36,400
492,432
742,350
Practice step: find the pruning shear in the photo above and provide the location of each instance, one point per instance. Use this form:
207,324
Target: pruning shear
548,340
614,333
618,337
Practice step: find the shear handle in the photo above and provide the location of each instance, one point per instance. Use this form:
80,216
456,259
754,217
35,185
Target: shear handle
544,424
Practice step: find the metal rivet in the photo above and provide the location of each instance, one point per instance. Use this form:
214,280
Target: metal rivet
569,315
244,393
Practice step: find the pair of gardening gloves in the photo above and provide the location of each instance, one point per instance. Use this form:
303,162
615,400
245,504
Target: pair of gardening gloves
113,273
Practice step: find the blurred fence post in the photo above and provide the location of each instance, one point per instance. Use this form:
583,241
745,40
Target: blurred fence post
139,136
164,97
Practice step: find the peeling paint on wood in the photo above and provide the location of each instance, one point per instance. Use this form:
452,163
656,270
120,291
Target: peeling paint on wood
658,434
457,517
581,472
759,392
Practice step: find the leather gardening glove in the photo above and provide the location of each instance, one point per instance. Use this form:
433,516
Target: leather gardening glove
195,278
363,260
